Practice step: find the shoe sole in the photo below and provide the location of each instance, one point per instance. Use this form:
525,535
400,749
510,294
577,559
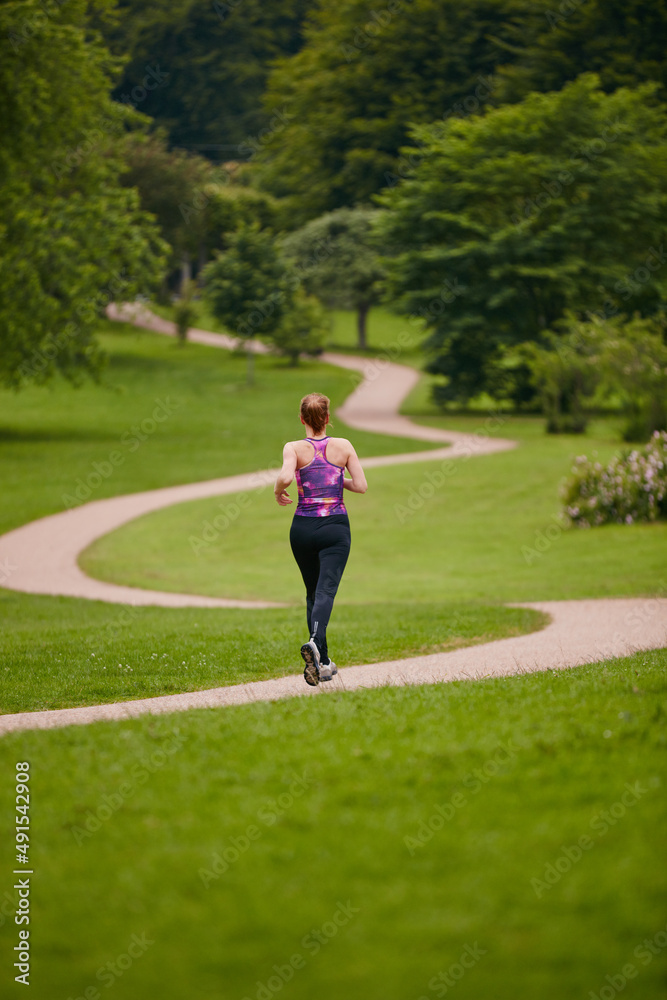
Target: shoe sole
310,672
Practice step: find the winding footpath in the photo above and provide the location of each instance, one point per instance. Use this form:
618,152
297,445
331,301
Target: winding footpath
42,558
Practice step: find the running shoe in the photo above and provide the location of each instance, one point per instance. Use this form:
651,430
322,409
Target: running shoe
328,670
311,657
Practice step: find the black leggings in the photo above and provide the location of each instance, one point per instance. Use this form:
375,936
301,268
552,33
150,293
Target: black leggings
321,546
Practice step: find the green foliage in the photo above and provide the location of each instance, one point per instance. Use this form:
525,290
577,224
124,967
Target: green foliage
71,237
565,371
337,257
634,367
304,327
216,57
506,223
361,77
632,487
171,186
247,286
197,205
552,42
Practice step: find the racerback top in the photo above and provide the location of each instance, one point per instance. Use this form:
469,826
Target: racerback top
320,484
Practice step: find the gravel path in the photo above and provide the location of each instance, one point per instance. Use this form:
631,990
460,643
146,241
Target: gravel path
41,558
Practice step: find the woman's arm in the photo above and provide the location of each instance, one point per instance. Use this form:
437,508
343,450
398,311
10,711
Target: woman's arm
358,482
286,475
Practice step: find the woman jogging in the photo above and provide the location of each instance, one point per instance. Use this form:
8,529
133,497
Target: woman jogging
320,532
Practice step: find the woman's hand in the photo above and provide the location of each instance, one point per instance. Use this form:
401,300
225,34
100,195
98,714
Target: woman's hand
283,498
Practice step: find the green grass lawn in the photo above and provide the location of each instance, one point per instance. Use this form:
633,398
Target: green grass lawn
352,845
59,652
366,842
387,333
488,532
416,581
215,425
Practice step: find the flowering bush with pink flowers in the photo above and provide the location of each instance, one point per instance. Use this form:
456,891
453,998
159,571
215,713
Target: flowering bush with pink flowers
633,487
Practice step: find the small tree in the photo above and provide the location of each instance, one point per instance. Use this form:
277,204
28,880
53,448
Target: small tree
185,311
337,259
565,372
303,329
248,287
634,367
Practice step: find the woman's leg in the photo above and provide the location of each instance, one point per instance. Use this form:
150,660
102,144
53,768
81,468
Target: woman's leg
321,548
308,561
334,540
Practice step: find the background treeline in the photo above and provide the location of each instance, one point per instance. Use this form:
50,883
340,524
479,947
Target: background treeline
494,170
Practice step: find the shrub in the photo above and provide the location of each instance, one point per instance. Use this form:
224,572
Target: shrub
633,487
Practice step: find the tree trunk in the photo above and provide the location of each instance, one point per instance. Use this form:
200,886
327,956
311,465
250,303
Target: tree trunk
186,273
362,313
250,364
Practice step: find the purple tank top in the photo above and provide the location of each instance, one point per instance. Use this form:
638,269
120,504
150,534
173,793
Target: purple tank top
320,484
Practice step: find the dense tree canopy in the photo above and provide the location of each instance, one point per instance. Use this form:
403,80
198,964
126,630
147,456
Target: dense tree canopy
623,41
213,57
365,74
515,216
71,237
361,78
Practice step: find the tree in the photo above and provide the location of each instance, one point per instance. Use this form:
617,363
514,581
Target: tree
213,57
514,216
172,186
362,76
303,328
337,257
248,287
633,364
548,44
565,371
71,237
184,311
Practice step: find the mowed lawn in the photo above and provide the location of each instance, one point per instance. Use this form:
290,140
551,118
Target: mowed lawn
356,845
485,529
495,839
57,652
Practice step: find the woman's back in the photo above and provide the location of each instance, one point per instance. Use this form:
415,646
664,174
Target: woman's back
319,480
337,451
